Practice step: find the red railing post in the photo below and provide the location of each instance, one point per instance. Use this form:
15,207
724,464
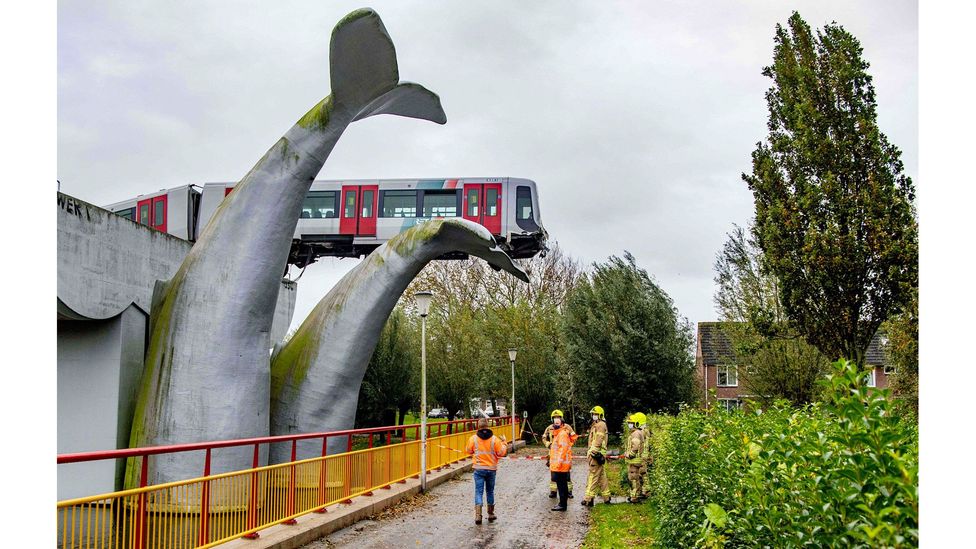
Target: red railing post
347,485
389,464
204,533
291,483
322,474
141,519
252,504
369,468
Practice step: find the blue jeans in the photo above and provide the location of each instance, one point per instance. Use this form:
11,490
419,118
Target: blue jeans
484,479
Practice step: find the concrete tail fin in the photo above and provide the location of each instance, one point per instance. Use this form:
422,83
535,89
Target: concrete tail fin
364,73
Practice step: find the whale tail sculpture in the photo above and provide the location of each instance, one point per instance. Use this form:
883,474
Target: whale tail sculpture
317,374
206,372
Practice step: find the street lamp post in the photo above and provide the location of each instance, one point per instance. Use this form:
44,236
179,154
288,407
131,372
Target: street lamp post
423,306
511,357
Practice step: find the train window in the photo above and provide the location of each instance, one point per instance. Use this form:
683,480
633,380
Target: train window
144,214
126,213
440,203
491,201
350,210
472,202
523,203
399,204
319,204
158,218
367,204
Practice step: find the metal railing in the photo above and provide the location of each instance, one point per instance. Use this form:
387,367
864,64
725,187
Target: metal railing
213,509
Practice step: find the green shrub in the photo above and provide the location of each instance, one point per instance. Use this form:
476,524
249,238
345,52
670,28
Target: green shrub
839,473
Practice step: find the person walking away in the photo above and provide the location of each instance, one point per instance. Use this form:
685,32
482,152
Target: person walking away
547,441
635,447
561,460
486,449
596,457
648,456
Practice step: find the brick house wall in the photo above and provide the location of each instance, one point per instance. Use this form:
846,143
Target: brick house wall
714,351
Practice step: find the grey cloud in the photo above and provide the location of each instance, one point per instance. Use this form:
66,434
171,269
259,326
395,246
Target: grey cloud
636,119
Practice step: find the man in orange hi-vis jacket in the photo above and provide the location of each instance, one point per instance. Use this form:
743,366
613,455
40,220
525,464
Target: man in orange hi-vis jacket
486,449
561,459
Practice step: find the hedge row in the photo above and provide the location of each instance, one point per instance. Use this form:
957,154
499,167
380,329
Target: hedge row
841,473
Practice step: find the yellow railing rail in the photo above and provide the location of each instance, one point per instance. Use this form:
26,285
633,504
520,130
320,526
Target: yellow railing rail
210,510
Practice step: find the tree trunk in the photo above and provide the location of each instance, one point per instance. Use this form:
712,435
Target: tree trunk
388,417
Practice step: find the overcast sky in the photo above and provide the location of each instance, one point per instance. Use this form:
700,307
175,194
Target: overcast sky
636,119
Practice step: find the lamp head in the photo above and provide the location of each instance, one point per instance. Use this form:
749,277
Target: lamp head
423,302
512,353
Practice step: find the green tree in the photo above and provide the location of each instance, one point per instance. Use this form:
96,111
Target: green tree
456,349
391,385
775,361
834,214
478,314
534,331
626,343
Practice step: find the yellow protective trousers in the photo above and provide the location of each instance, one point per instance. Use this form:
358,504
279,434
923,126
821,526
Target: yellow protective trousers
597,481
636,480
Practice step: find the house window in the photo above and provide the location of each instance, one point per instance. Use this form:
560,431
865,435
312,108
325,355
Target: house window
729,404
890,369
728,376
871,381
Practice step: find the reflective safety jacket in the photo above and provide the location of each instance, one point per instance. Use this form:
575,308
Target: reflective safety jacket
635,447
547,434
486,449
598,438
561,450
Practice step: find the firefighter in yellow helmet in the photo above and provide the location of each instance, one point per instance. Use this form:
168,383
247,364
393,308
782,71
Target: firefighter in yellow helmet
635,456
547,442
648,459
596,456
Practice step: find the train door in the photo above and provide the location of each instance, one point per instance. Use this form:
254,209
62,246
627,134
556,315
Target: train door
472,202
350,201
483,205
493,207
368,196
159,213
359,210
144,212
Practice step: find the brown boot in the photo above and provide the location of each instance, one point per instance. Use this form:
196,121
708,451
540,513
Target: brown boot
477,514
491,512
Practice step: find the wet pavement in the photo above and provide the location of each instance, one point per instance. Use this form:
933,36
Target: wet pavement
445,516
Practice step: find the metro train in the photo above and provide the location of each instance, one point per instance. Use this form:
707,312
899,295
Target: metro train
351,218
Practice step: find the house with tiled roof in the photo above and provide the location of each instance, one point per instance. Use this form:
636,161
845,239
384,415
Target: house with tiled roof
717,369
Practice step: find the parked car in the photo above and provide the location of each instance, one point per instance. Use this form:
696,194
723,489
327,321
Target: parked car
438,413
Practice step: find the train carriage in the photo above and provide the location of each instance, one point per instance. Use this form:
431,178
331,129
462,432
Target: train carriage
351,218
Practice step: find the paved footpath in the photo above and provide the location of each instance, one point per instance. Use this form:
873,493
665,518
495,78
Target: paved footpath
445,516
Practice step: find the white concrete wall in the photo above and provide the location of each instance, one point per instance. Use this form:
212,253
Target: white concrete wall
107,262
107,269
99,364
